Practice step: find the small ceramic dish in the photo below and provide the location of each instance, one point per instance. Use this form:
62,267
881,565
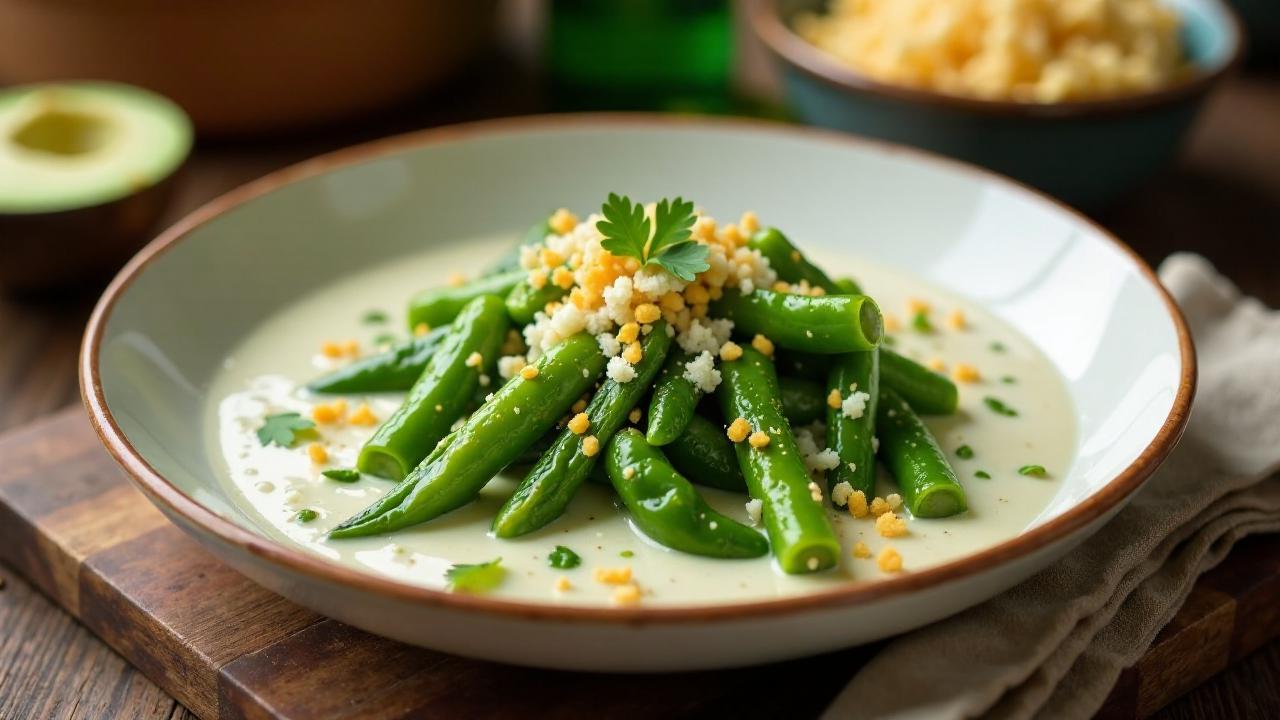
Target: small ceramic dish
170,325
1084,152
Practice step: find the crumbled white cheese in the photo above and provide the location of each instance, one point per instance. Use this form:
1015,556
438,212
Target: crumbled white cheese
746,286
855,405
701,371
609,344
657,281
619,370
754,507
841,492
509,365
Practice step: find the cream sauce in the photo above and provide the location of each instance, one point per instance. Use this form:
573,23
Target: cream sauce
264,373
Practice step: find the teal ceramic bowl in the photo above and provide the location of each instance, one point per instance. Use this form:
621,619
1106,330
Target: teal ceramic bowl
1085,152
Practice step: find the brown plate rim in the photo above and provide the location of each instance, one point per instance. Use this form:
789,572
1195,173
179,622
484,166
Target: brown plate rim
295,560
788,47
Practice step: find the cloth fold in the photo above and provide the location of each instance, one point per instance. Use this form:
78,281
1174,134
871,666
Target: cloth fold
1055,644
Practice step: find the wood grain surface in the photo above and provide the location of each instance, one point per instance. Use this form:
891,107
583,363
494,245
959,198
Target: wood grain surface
227,648
1222,199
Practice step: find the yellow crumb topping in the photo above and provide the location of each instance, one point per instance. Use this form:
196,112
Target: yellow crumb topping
330,349
763,344
730,351
915,306
759,439
936,364
563,584
635,415
579,423
956,319
580,405
538,279
317,453
749,223
563,278
590,445
889,560
738,430
457,279
890,525
562,221
834,399
634,353
858,504
421,329
613,576
628,594
628,333
529,372
965,373
328,413
363,415
891,322
647,313
861,551
474,359
879,506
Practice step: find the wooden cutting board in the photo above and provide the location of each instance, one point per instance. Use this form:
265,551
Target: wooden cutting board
226,648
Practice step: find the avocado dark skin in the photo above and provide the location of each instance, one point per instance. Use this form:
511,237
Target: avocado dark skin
42,253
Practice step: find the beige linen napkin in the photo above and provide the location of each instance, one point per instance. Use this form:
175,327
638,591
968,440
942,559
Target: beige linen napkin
1054,645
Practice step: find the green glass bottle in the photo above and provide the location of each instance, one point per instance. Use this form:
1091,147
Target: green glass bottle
672,55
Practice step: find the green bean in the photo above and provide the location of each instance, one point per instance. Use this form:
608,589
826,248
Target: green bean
803,401
493,436
392,371
439,306
439,397
928,484
674,400
848,286
800,364
546,491
800,532
704,454
926,391
786,260
824,325
523,302
851,438
665,506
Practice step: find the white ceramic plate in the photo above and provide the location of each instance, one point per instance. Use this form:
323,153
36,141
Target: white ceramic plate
159,336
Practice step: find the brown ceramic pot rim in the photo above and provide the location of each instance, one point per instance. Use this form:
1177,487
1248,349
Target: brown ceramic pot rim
798,53
296,560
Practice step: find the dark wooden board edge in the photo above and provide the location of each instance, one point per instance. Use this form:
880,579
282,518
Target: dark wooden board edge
225,647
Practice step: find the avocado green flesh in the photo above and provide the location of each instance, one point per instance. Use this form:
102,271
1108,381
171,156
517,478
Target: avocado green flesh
77,145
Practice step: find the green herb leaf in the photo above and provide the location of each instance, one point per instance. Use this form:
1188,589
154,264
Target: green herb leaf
964,452
982,474
306,515
672,224
283,429
478,578
920,321
626,554
563,558
374,317
998,407
342,475
997,346
1009,380
626,230
1033,470
625,227
684,260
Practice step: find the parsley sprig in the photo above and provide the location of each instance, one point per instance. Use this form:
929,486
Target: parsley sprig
664,242
477,578
283,429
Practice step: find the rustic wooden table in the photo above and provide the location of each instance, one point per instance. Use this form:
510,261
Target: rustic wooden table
1221,200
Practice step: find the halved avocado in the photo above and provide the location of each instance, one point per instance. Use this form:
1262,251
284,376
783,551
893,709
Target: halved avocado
86,170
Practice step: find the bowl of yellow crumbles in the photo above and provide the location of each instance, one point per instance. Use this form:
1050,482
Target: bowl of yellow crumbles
1082,98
